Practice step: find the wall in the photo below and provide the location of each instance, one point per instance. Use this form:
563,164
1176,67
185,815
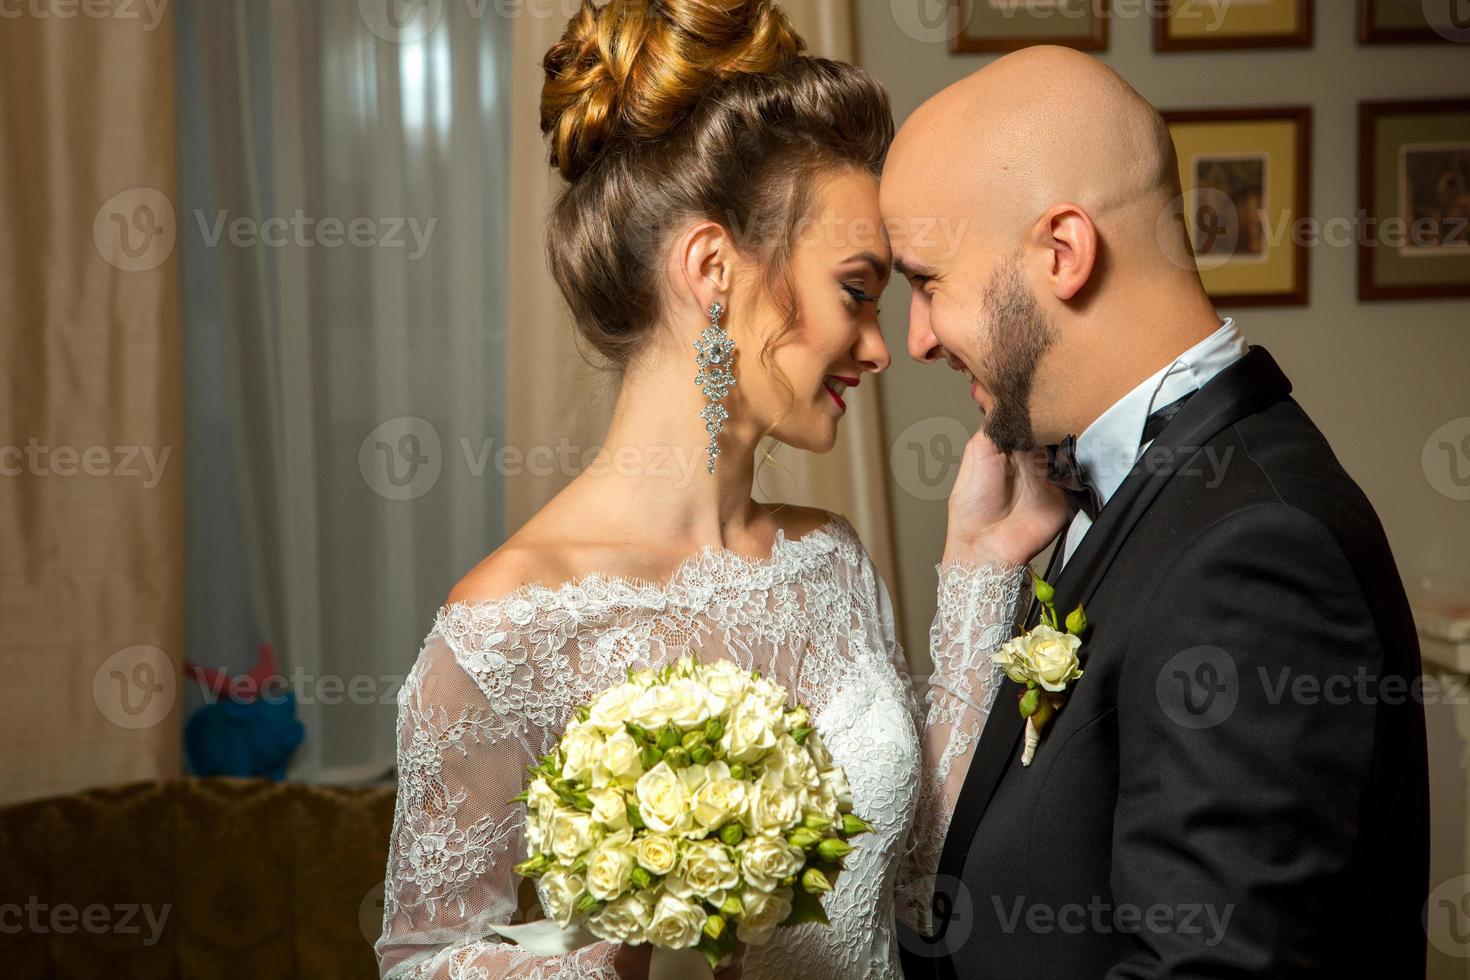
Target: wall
1378,378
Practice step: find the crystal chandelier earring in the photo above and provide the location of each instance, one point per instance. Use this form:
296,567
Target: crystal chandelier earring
712,354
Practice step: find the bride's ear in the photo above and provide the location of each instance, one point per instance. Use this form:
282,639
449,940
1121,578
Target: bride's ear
704,259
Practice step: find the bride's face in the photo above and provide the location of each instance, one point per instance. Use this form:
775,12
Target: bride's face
839,263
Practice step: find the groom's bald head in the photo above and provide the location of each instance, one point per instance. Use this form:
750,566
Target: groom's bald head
1020,200
1042,126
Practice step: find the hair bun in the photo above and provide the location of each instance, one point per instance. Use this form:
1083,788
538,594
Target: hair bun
632,69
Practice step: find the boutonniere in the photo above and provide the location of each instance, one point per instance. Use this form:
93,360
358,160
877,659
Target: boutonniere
1044,659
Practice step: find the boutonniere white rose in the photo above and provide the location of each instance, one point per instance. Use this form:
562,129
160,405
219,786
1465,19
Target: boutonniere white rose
1045,660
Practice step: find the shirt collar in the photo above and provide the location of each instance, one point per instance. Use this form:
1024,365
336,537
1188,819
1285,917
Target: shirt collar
1108,448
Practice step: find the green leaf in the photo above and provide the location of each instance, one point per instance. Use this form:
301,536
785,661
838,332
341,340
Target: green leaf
715,950
1029,702
806,907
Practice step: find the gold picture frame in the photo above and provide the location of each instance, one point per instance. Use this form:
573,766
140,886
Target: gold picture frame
989,26
1246,175
1414,176
1214,25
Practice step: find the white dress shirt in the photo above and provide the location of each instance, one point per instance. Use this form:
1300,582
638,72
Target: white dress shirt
1109,447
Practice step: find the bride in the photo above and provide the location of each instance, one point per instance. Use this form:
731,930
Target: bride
720,219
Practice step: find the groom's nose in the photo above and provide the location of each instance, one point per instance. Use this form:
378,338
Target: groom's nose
924,347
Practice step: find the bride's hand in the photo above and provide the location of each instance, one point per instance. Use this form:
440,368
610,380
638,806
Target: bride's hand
1002,507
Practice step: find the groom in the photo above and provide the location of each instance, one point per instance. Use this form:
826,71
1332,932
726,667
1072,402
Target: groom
1236,786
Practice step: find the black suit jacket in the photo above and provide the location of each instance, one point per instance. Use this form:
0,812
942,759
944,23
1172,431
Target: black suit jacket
1237,786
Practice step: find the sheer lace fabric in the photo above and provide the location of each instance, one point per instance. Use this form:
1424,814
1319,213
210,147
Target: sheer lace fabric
497,680
979,608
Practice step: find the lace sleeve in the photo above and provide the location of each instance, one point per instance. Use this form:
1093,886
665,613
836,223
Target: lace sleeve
456,837
979,607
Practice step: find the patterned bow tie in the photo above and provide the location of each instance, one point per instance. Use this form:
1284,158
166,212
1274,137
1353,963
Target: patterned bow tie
1066,472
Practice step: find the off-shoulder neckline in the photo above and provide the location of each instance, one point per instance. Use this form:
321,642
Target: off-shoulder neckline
819,539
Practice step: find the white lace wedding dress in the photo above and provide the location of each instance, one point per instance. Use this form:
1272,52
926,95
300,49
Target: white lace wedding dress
497,680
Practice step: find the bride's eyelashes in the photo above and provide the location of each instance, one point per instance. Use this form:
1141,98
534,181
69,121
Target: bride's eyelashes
858,295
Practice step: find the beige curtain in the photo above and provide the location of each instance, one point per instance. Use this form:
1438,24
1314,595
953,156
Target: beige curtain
91,508
553,394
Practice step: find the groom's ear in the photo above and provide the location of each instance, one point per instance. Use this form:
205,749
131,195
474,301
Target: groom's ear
1067,239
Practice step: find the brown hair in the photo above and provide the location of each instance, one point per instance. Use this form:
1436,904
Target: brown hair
664,111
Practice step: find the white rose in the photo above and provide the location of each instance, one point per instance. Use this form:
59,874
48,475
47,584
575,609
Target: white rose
663,802
818,750
622,921
720,800
834,784
609,868
767,859
769,693
1042,656
1055,657
726,680
773,806
572,834
676,924
609,807
613,708
693,776
797,768
763,914
690,705
620,757
751,731
540,796
707,869
582,746
655,706
657,854
560,893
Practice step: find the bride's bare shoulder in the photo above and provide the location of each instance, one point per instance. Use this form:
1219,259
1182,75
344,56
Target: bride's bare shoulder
532,555
797,521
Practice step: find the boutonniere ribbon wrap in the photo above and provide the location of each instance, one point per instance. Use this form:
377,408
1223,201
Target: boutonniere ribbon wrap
1045,660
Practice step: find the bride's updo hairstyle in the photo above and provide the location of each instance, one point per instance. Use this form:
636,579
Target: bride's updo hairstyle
659,112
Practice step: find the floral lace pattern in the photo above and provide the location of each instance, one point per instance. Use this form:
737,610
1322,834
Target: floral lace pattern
497,680
979,608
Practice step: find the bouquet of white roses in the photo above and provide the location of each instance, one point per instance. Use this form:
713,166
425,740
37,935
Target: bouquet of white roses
688,808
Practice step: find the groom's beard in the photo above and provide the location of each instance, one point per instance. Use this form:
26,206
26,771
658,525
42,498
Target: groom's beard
1019,335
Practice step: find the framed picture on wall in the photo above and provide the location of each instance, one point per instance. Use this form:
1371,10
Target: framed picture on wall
1246,175
1200,25
1415,189
1412,21
1008,25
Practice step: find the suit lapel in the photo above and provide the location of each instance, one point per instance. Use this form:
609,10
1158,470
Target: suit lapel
1249,385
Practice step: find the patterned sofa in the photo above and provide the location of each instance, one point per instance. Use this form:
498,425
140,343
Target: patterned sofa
194,878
